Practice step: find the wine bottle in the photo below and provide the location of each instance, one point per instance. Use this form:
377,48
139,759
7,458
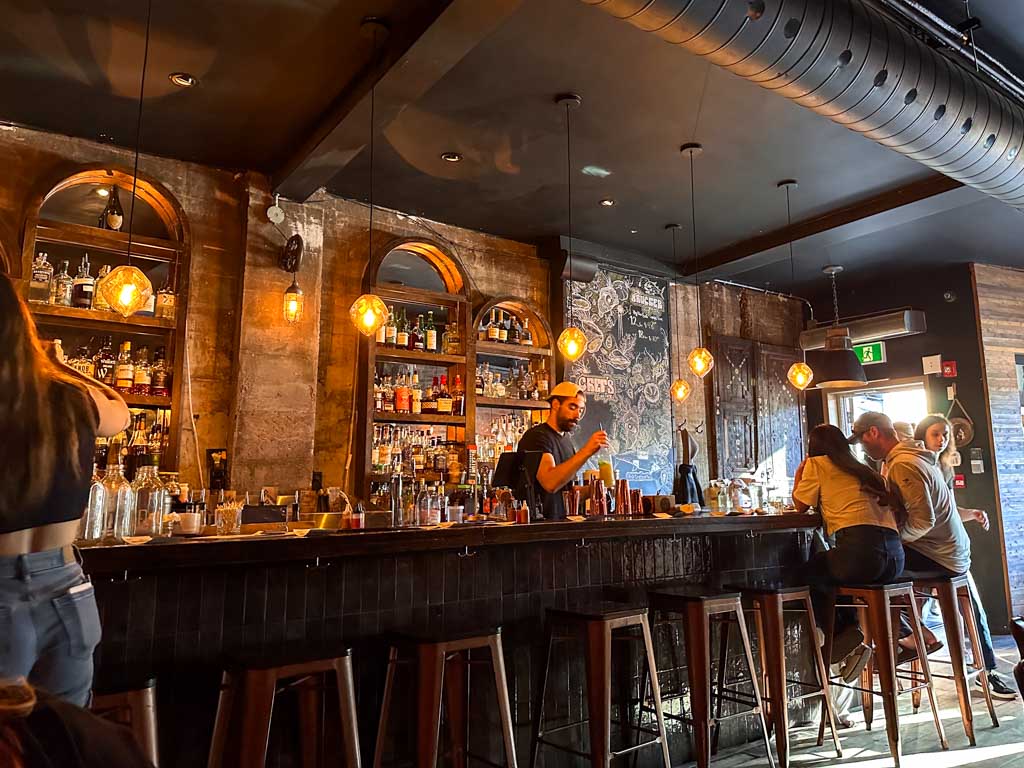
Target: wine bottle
113,215
430,334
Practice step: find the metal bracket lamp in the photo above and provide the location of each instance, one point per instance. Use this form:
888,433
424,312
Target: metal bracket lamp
572,342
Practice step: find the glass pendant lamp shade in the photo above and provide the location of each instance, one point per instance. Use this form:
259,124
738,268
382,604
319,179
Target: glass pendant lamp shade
800,375
700,361
126,289
680,390
368,313
293,302
572,343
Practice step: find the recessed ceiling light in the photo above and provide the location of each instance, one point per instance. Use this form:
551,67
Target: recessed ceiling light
451,157
183,79
607,202
633,231
596,170
103,192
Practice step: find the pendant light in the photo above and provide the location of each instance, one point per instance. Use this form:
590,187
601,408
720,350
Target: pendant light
680,389
127,289
836,366
369,312
700,360
572,342
799,374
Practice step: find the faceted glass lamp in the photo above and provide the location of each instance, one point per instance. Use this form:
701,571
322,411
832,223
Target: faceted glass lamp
293,301
680,390
800,375
700,361
572,343
368,313
126,289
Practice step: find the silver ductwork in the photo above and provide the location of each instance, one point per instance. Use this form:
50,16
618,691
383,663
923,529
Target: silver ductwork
849,62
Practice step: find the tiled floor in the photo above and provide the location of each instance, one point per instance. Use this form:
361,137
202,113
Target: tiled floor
1001,747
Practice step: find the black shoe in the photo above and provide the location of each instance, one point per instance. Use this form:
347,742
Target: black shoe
999,688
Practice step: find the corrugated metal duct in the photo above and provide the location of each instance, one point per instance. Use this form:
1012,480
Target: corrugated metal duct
848,62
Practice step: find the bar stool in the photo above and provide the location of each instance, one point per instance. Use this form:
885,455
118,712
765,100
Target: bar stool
876,605
240,738
436,654
769,604
700,607
953,592
132,705
593,622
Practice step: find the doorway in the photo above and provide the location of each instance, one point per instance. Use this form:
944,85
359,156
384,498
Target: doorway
903,400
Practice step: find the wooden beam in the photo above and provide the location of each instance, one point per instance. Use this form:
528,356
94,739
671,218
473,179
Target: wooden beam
913,192
419,51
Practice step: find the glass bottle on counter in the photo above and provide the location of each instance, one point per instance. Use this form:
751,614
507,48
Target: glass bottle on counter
62,285
99,303
142,377
120,499
82,286
430,334
41,281
149,499
160,377
105,362
124,373
94,521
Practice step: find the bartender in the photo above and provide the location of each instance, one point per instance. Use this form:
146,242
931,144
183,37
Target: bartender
553,454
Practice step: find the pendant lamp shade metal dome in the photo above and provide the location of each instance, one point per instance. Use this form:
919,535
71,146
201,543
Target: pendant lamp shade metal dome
837,365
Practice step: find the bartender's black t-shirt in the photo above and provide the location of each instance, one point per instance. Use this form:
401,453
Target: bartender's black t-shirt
544,439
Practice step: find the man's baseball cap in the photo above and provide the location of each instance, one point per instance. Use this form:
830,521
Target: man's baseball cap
868,420
565,391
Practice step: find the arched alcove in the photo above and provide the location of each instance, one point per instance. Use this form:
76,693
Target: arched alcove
420,265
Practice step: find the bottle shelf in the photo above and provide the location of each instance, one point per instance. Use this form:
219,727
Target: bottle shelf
52,314
96,239
511,403
419,418
518,351
146,401
390,354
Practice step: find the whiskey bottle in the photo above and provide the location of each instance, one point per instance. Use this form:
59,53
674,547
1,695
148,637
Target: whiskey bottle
167,300
124,373
98,302
143,377
160,381
515,330
481,331
444,399
430,334
113,215
416,340
451,342
391,328
458,397
83,362
381,337
63,283
429,404
502,328
82,286
527,335
105,362
402,335
41,281
492,328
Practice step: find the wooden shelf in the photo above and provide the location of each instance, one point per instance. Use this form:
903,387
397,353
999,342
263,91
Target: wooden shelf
146,401
406,295
519,351
94,238
419,418
52,314
389,354
511,403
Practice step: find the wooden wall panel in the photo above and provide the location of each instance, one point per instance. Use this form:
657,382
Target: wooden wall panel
781,417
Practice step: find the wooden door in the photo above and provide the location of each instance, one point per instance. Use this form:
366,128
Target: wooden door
780,415
735,420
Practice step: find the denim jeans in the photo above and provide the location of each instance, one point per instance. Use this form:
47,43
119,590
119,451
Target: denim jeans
49,624
988,652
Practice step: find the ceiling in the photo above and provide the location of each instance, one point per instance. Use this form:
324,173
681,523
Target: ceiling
272,72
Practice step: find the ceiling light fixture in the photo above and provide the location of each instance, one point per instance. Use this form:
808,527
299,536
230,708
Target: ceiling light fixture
103,192
799,374
836,366
183,79
451,157
607,202
572,342
700,359
680,389
596,171
633,231
369,312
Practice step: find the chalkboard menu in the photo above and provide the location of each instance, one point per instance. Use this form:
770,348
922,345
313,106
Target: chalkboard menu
626,373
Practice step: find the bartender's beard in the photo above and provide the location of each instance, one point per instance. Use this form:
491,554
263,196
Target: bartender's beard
567,424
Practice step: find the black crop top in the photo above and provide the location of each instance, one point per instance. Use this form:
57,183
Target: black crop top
67,496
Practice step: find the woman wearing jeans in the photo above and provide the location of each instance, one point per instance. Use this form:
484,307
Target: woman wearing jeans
50,416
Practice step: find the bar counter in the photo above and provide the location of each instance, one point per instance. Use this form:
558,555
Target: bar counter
179,611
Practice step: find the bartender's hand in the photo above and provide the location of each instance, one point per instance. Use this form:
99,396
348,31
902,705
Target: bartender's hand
597,441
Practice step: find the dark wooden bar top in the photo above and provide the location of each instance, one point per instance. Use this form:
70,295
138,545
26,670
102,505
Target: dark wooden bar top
198,552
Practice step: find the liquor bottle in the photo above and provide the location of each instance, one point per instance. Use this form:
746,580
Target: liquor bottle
429,404
93,522
403,396
527,336
105,362
389,396
150,495
378,393
543,383
430,334
458,397
515,330
143,376
481,331
137,447
83,362
41,281
112,216
416,340
444,399
381,337
120,511
502,328
148,309
391,332
124,373
402,335
492,327
451,342
478,386
98,302
63,283
417,396
160,385
82,286
166,300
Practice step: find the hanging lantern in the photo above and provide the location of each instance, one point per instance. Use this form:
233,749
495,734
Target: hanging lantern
368,313
293,301
800,375
126,289
680,390
701,361
572,343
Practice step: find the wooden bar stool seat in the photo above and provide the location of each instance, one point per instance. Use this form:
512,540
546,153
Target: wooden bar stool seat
954,597
699,607
131,703
877,605
769,603
593,622
245,707
443,659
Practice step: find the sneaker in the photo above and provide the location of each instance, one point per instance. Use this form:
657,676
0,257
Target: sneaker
998,686
845,643
855,663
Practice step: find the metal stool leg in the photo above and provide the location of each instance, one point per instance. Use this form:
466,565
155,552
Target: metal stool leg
652,668
698,651
347,708
880,620
599,693
753,677
504,708
955,642
819,661
538,712
977,660
922,656
385,708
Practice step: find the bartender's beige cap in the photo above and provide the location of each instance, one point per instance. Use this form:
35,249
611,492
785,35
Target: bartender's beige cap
565,391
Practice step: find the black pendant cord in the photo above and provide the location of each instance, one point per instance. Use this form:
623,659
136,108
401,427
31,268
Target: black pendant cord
138,129
568,170
696,256
373,92
789,223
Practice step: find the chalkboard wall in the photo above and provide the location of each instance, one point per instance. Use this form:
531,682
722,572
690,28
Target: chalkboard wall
626,373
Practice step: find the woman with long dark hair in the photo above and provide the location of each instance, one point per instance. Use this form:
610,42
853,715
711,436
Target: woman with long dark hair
859,512
50,416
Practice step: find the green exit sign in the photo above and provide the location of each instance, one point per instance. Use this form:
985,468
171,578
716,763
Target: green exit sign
870,354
